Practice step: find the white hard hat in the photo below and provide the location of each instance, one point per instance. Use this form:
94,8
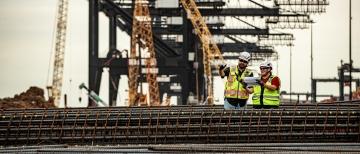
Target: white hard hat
266,64
245,56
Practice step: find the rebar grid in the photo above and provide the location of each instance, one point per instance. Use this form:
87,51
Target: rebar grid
180,124
181,148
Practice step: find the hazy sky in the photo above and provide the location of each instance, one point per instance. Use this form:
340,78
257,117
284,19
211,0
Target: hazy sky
27,30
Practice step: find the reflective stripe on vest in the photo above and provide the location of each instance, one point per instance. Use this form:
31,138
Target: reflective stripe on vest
234,88
233,94
270,97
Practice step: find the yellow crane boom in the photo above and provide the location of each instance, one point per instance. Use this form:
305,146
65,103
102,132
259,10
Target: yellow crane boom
211,51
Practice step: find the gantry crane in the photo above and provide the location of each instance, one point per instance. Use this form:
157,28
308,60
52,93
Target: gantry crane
55,89
211,52
142,36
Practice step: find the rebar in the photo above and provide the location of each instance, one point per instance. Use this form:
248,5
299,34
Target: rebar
180,124
181,148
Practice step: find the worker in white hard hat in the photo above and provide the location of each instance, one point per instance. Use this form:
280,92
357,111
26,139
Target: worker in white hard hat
267,93
236,91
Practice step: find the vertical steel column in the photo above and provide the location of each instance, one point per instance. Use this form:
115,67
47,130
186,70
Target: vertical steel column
341,82
186,75
191,77
112,32
311,61
201,72
114,79
94,70
350,59
113,76
200,76
290,73
313,90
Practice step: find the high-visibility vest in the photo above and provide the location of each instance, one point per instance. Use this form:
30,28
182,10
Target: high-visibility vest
234,88
270,97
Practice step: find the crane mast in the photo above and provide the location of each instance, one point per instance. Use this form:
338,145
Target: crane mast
211,52
142,36
58,66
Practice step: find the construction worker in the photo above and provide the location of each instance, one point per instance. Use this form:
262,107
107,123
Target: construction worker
267,93
236,91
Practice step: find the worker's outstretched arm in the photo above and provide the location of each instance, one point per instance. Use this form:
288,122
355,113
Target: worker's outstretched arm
221,70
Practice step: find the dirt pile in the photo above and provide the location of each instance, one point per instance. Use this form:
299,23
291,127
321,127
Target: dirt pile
332,99
32,98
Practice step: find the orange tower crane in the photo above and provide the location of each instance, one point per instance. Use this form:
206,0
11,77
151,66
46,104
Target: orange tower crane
211,52
142,36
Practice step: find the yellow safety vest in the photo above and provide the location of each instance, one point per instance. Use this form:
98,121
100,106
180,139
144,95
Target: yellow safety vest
270,97
234,88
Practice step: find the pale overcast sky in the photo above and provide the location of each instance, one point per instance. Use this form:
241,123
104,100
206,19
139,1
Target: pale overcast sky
27,29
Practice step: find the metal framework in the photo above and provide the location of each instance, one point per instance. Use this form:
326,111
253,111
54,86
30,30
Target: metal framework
286,22
342,79
308,123
180,57
58,67
210,49
303,6
282,39
142,36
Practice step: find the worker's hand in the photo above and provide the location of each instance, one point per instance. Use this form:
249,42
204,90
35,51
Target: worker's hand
267,84
260,82
249,89
222,67
244,85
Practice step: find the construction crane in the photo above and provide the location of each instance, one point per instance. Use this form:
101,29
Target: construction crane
211,52
142,36
54,90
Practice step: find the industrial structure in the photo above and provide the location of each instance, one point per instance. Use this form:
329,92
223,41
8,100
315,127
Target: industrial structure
175,26
184,41
141,38
342,80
